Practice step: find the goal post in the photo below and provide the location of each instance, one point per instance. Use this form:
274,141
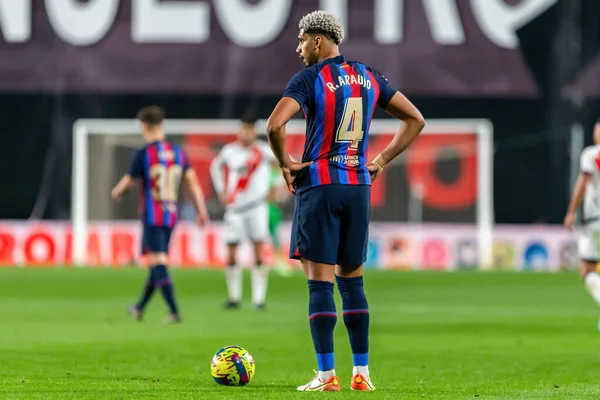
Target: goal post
85,130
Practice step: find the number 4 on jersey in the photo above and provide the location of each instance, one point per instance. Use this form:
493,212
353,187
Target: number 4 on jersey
350,129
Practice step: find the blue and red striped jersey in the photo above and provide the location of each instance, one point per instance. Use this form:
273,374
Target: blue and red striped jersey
160,166
338,98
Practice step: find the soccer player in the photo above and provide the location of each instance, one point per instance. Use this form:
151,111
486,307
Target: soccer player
159,167
248,162
587,191
331,184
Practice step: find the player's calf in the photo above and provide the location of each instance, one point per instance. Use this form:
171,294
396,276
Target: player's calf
322,319
233,279
260,281
137,310
160,274
164,282
356,319
591,280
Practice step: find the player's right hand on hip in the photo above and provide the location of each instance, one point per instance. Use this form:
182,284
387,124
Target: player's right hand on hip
290,172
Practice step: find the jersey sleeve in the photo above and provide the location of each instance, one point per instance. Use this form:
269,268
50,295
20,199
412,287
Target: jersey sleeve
137,164
587,162
299,88
386,91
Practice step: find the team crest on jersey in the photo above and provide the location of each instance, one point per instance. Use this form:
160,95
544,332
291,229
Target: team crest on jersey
166,155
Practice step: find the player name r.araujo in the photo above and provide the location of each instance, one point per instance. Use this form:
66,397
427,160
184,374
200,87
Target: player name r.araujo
349,80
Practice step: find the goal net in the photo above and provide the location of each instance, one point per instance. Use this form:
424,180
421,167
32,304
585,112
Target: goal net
432,207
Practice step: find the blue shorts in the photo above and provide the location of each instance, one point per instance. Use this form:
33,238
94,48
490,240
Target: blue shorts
155,239
331,224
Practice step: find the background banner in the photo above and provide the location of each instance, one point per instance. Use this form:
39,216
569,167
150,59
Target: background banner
392,246
425,47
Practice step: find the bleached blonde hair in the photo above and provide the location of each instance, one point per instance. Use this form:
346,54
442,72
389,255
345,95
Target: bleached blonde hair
323,22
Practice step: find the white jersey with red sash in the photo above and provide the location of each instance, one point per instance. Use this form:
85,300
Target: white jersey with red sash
242,173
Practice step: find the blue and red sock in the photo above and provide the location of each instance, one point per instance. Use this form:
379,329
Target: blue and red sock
163,281
322,318
356,317
146,293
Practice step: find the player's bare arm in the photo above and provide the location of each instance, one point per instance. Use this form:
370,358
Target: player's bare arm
283,112
216,174
126,183
400,107
272,195
576,199
191,180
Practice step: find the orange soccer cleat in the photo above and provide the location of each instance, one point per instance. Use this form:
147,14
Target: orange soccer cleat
317,385
359,382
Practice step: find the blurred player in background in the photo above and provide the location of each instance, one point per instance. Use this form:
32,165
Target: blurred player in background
331,221
277,195
248,163
587,191
159,167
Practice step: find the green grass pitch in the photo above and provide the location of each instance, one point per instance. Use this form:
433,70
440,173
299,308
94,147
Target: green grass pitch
64,334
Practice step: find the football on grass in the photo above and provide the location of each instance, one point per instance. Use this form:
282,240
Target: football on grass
232,366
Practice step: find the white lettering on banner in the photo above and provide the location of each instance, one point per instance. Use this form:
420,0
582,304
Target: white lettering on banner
339,8
389,21
82,24
170,22
500,21
391,246
444,21
15,19
252,25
